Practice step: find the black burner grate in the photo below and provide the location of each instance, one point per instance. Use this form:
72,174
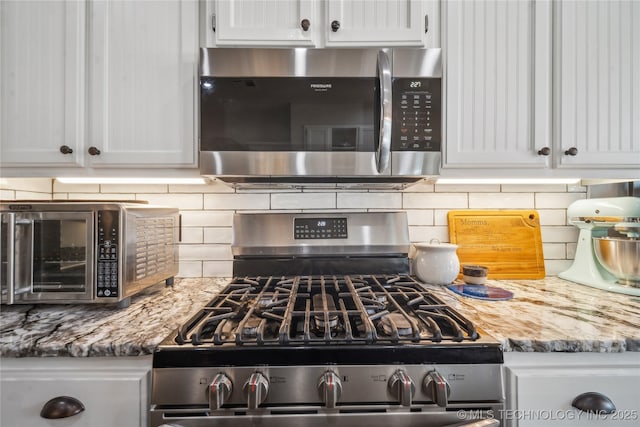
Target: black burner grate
324,310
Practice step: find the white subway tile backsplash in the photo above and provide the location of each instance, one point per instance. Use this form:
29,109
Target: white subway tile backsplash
571,249
7,194
501,201
28,195
564,234
537,188
180,201
434,201
426,234
192,235
553,217
205,252
134,188
217,269
468,188
303,200
557,200
554,250
553,267
369,200
237,201
102,196
59,187
190,269
420,187
440,217
207,211
420,217
207,218
34,185
218,235
212,187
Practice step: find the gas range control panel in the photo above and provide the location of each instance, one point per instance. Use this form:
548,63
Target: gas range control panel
320,228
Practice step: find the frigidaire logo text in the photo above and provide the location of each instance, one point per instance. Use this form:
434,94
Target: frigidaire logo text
320,86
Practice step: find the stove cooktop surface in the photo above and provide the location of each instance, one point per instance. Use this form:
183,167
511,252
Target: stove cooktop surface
328,318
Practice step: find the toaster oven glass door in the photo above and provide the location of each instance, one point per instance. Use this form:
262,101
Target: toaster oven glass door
53,256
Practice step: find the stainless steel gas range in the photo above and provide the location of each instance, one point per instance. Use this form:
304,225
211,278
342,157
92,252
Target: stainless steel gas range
323,325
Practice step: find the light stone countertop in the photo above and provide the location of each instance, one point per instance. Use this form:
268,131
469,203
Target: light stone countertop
544,316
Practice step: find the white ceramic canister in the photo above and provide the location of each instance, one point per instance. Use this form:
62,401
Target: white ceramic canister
436,263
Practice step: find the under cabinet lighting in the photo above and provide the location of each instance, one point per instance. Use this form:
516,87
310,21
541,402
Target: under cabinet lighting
132,180
508,181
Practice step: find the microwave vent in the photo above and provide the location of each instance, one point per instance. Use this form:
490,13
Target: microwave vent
154,245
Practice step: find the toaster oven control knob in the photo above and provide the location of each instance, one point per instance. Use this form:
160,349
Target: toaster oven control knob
437,388
256,389
330,389
402,387
219,391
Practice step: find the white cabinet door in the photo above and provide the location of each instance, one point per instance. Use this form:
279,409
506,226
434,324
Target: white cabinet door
597,98
497,56
262,22
114,391
142,82
541,387
42,82
375,23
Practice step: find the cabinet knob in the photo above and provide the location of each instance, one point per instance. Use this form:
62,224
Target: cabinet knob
335,26
305,24
544,151
571,151
65,149
61,407
93,151
594,402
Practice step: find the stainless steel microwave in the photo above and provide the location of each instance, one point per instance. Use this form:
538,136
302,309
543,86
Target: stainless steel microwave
320,116
84,252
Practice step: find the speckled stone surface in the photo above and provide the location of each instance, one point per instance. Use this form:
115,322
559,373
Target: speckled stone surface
553,315
100,330
544,316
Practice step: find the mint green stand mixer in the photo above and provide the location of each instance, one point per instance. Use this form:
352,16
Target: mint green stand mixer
608,251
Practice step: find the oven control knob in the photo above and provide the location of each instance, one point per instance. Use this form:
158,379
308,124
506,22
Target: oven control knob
437,388
330,389
402,387
219,391
256,389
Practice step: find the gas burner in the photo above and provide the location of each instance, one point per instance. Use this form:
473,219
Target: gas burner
395,324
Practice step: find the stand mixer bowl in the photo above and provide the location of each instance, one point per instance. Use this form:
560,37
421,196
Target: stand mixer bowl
620,257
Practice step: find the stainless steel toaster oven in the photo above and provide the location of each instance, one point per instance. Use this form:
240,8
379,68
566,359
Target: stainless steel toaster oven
85,251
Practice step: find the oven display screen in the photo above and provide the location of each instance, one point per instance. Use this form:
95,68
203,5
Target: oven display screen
320,228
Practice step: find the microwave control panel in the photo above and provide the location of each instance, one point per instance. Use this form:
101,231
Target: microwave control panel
417,114
107,271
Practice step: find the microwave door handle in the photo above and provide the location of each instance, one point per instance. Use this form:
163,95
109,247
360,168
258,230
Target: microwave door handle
10,219
383,153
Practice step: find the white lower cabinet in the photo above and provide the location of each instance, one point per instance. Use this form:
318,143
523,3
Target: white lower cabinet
113,390
540,388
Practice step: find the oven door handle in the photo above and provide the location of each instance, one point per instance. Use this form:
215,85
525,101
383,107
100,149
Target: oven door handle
7,294
383,153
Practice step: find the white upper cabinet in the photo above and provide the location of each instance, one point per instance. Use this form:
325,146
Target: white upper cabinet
320,23
375,23
142,82
597,72
262,22
133,106
497,83
42,57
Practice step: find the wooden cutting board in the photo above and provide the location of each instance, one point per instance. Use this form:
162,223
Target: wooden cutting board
506,241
